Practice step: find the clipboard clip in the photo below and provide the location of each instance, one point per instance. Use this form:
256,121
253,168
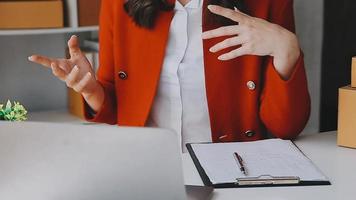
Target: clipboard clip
268,180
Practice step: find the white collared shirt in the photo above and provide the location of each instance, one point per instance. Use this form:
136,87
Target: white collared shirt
180,103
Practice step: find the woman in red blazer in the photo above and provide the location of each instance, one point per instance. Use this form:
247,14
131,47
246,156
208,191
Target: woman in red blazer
254,73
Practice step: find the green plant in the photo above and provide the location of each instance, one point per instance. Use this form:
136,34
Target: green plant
15,112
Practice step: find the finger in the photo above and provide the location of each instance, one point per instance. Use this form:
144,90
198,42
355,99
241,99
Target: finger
65,66
230,42
227,13
72,77
234,54
58,72
79,87
237,10
42,60
73,45
222,31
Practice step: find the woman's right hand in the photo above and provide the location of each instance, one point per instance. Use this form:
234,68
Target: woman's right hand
76,72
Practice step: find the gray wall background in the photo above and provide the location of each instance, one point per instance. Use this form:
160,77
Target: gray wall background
32,85
309,23
29,83
36,88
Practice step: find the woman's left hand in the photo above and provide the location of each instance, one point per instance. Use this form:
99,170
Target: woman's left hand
255,36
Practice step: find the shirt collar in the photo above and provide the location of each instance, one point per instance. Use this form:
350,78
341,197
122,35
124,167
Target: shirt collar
191,4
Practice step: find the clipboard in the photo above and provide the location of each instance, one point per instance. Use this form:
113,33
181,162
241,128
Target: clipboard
263,180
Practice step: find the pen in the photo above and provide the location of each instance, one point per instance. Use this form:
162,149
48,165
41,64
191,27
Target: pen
240,163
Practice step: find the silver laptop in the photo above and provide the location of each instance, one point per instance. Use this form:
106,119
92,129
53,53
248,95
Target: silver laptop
44,161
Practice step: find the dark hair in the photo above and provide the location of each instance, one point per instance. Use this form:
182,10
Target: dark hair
145,12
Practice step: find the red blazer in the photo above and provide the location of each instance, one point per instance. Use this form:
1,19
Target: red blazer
246,96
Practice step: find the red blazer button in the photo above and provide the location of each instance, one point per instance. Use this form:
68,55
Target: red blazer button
122,75
249,133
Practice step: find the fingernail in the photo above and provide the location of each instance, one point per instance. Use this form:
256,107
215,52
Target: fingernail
76,67
221,57
211,50
210,7
30,58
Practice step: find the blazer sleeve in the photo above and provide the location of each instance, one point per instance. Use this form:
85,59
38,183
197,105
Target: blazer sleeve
105,74
285,104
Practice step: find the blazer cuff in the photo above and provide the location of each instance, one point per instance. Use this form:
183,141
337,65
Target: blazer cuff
107,112
298,68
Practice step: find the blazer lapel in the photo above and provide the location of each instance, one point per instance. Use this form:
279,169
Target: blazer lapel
151,52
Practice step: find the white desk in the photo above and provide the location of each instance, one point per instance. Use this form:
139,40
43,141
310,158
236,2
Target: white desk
57,116
337,163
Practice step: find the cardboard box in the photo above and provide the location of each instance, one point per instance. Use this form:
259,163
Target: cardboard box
347,117
353,72
88,12
75,104
31,14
